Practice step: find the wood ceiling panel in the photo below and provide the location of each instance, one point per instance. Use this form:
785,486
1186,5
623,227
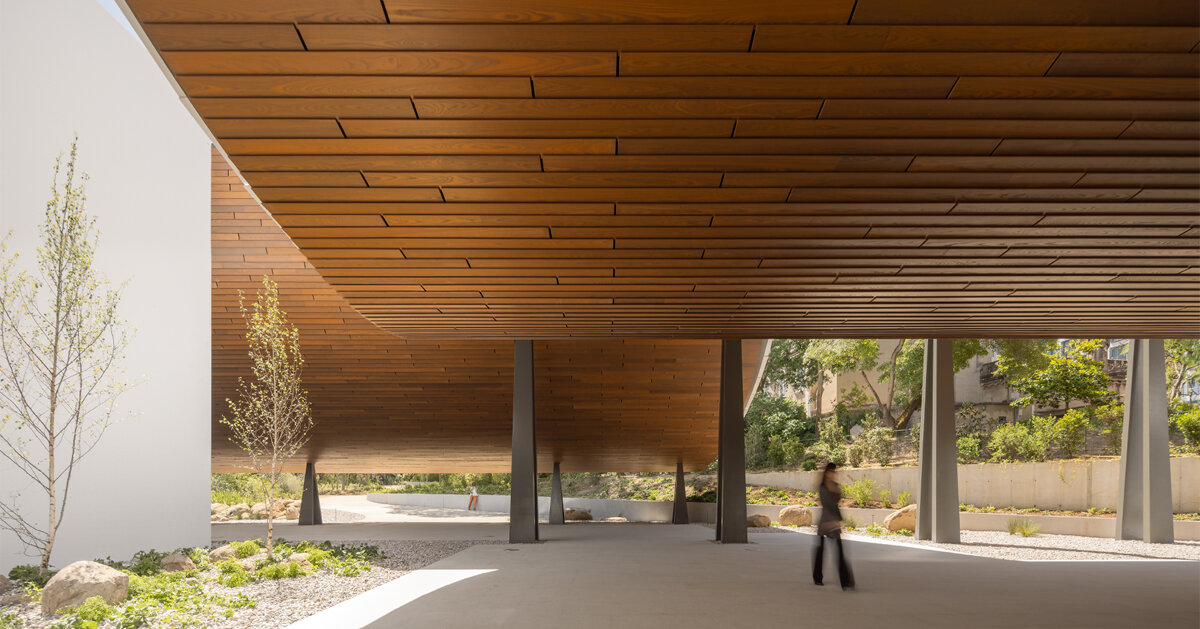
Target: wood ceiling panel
671,168
386,404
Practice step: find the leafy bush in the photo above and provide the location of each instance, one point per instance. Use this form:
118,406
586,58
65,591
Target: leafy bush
876,530
855,453
885,497
144,563
248,548
849,523
784,450
95,609
1022,441
230,573
1023,527
969,449
10,620
904,499
1070,432
30,574
861,491
1188,423
168,599
284,570
1111,419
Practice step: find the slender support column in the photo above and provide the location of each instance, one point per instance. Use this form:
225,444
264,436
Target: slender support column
310,500
679,515
937,500
523,517
556,502
732,499
1144,493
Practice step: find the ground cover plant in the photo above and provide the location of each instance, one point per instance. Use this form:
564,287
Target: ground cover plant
188,598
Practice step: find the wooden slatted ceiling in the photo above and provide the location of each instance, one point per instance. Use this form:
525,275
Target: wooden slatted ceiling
386,404
538,168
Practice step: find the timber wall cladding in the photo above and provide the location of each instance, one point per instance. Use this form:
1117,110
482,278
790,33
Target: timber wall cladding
491,168
387,404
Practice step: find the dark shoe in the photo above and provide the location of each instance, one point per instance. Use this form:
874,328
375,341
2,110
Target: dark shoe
818,583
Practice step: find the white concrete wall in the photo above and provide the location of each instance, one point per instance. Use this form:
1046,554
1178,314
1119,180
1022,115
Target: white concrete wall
66,66
1071,485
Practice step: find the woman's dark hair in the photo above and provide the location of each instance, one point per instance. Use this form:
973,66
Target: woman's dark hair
829,467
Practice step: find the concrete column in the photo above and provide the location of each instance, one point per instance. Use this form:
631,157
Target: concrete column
937,499
1144,492
732,469
523,517
679,514
556,502
310,500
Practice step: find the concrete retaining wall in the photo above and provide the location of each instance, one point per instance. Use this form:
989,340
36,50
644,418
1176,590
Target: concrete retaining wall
706,512
1073,485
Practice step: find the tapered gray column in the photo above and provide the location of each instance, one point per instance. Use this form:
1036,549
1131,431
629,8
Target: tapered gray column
1144,486
310,500
522,517
937,499
556,503
679,514
732,455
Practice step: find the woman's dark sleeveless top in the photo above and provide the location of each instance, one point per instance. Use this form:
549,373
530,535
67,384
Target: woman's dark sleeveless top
829,504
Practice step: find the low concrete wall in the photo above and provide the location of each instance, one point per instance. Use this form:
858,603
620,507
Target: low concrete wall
1072,485
706,512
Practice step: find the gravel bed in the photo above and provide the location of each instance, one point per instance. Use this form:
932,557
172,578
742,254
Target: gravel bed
1046,547
284,601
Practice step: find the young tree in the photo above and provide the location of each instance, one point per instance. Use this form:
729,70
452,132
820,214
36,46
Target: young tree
271,419
1183,364
1071,375
61,343
838,356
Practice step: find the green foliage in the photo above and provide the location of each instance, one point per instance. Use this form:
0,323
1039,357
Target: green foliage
1023,527
144,563
860,492
247,548
1188,423
1183,364
904,532
1073,376
970,449
876,530
169,599
1019,359
10,620
284,570
230,573
830,446
486,484
1022,441
95,609
855,453
1111,420
30,574
885,497
231,489
1070,432
785,451
778,420
849,523
904,499
875,441
788,365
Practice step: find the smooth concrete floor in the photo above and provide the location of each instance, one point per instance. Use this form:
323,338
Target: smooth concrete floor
644,575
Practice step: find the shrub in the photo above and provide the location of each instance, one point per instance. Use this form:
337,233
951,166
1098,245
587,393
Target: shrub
1023,527
861,491
969,449
849,523
1022,441
873,443
904,532
30,574
876,530
1070,432
231,574
784,450
247,548
1111,419
95,609
1188,423
885,497
855,453
904,499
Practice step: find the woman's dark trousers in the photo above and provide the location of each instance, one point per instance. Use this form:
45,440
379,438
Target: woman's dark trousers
835,536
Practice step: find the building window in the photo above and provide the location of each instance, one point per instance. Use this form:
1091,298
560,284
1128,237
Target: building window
1118,349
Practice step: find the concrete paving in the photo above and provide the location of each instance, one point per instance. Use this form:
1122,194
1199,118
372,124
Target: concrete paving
598,575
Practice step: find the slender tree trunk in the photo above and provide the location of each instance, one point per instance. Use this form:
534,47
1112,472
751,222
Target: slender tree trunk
271,511
914,403
884,409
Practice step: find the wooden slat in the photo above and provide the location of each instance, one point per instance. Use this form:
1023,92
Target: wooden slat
757,87
530,37
234,11
428,146
835,63
1028,12
622,12
576,109
172,37
353,86
283,128
804,38
260,108
394,63
545,128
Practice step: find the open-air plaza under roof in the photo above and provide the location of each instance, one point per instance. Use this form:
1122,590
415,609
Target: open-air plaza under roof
556,236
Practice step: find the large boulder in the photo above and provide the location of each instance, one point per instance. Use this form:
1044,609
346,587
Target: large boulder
218,507
905,518
300,558
292,512
757,521
235,512
82,580
224,552
176,562
259,511
795,516
577,514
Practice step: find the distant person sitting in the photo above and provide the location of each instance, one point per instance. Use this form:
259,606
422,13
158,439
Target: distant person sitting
830,526
473,503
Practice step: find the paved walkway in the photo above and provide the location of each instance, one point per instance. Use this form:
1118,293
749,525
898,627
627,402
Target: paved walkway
643,575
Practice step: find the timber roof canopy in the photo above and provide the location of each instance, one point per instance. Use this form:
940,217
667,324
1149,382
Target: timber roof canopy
685,168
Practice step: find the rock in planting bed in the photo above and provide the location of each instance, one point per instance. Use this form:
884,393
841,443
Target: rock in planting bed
1043,547
267,602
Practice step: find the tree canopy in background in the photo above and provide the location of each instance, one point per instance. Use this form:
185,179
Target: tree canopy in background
1069,375
1183,364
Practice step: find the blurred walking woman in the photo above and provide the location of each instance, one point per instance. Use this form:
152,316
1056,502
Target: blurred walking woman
830,527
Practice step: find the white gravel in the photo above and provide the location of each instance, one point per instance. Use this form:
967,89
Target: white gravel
1044,547
284,601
